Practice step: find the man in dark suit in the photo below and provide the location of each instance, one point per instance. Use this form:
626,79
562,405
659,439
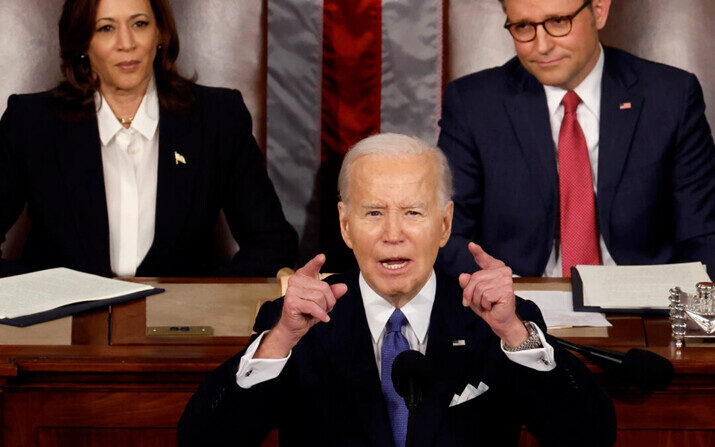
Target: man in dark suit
319,366
573,153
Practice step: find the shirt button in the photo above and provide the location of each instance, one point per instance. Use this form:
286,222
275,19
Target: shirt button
248,373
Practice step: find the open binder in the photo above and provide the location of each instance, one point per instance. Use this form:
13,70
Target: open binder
37,297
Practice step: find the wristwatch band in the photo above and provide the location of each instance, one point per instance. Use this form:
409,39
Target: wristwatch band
533,342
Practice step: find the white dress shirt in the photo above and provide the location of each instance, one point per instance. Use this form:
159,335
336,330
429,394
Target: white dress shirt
130,160
378,310
588,114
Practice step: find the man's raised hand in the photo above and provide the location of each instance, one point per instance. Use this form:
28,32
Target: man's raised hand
307,301
489,292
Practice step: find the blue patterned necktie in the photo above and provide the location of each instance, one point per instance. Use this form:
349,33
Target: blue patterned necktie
393,344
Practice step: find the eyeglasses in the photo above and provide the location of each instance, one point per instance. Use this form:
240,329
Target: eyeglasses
558,26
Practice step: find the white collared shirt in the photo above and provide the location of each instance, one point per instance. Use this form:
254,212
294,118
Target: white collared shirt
378,310
130,160
588,114
417,311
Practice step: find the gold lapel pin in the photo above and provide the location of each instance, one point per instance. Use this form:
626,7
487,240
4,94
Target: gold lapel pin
178,158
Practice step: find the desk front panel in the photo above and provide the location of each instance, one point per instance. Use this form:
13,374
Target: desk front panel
117,386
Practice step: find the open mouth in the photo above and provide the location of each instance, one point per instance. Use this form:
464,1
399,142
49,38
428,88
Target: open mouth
394,263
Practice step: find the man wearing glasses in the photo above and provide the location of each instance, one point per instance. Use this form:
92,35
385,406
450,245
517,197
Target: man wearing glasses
574,153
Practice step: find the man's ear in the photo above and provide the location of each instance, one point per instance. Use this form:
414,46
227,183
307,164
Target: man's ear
600,12
344,224
447,223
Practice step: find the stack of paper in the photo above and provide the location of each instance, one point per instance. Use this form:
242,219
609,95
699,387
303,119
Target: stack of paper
636,287
557,310
40,293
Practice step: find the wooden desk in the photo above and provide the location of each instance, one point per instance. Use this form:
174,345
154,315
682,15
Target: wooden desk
116,386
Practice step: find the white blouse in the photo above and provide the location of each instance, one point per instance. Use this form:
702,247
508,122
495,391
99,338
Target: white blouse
130,162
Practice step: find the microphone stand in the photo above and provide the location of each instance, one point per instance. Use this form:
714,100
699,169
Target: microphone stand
410,424
600,353
415,395
409,373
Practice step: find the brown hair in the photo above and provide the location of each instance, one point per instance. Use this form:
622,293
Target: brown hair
75,94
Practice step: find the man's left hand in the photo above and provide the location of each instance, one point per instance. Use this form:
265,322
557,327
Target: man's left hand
489,292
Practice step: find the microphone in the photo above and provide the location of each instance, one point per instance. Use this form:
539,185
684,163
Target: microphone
638,367
409,375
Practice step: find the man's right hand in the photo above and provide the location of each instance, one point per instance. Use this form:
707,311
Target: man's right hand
307,301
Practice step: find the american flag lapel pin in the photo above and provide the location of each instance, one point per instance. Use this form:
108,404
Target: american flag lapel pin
459,342
178,158
624,106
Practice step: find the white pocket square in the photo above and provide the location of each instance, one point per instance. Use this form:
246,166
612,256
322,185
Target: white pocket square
469,393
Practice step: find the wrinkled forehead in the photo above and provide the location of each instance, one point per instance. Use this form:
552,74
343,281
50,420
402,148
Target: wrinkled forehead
398,179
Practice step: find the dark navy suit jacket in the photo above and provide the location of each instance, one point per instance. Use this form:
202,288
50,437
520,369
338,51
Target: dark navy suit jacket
55,166
656,167
328,394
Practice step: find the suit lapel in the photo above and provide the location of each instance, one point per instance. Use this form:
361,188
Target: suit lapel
449,322
348,346
179,146
347,342
80,161
529,116
620,109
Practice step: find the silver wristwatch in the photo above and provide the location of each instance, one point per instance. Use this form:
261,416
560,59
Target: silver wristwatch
533,342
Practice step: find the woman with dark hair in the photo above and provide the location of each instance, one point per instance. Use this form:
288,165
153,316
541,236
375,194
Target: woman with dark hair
125,166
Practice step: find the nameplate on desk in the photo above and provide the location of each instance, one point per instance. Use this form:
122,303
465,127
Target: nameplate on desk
179,331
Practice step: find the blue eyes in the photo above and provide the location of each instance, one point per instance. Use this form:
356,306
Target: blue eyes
379,213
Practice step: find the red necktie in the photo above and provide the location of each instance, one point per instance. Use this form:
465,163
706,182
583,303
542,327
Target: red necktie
579,238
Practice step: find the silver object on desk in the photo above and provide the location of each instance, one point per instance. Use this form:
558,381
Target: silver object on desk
692,316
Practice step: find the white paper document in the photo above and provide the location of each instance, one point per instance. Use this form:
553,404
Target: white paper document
49,289
637,286
557,309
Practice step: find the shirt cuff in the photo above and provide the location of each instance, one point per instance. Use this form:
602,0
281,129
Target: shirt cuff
254,371
540,359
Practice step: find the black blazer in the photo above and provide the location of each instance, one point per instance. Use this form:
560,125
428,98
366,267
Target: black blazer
55,166
656,167
328,394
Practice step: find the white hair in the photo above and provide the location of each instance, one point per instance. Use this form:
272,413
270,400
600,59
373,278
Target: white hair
396,145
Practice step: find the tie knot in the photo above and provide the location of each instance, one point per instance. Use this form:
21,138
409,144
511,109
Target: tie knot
396,321
571,101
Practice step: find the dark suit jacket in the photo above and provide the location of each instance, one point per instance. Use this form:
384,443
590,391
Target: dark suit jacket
328,394
656,167
55,166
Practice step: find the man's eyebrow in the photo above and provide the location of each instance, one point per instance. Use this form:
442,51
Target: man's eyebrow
373,206
414,205
547,17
